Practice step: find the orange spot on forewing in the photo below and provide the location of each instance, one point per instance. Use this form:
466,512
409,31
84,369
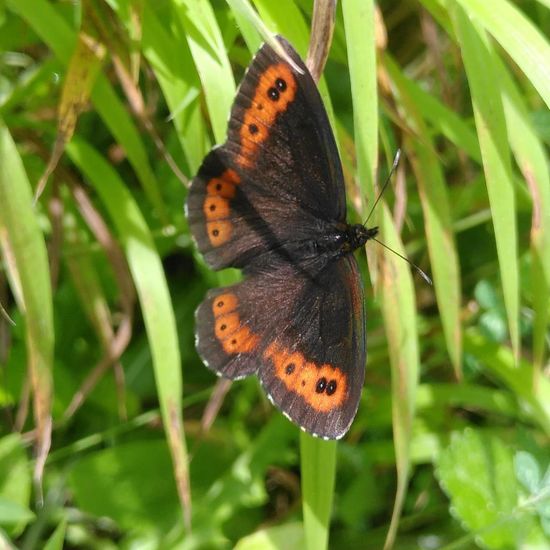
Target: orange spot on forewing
231,176
216,208
224,303
218,187
219,232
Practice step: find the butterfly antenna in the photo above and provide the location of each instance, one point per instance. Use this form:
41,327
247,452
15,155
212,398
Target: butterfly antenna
419,271
386,183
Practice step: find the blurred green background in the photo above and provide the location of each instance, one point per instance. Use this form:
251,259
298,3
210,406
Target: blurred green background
112,432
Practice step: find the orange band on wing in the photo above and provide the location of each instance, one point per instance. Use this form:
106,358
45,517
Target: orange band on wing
276,89
216,206
231,333
323,387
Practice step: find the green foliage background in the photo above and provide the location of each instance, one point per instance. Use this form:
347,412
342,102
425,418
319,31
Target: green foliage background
99,281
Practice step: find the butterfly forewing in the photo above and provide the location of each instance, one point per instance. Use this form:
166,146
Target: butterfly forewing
275,175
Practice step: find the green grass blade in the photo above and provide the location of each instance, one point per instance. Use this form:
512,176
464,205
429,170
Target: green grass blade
530,156
479,61
211,61
250,23
56,539
286,18
437,215
444,121
149,278
27,260
318,460
360,39
518,36
399,312
169,56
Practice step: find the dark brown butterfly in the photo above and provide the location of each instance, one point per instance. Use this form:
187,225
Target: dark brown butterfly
271,201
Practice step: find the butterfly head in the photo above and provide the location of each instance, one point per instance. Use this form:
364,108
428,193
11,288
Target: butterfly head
359,234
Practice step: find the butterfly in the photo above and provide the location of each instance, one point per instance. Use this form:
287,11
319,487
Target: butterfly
271,201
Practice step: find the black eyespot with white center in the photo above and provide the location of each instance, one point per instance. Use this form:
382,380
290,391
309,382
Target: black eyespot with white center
280,84
331,387
273,94
290,368
253,129
321,385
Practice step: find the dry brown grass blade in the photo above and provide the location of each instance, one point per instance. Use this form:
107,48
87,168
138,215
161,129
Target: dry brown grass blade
181,469
55,210
113,344
322,27
115,348
137,104
214,403
80,78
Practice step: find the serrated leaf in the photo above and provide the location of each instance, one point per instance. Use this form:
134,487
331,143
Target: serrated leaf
527,471
477,473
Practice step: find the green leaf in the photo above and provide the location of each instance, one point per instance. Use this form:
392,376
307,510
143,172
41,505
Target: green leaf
289,536
15,483
527,471
397,295
436,207
13,513
360,38
477,473
498,361
533,163
124,484
165,48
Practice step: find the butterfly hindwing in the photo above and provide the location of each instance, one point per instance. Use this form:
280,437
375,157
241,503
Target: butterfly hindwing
275,176
303,336
313,369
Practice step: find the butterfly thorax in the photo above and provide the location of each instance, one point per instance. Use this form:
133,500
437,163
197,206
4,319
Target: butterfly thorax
332,242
